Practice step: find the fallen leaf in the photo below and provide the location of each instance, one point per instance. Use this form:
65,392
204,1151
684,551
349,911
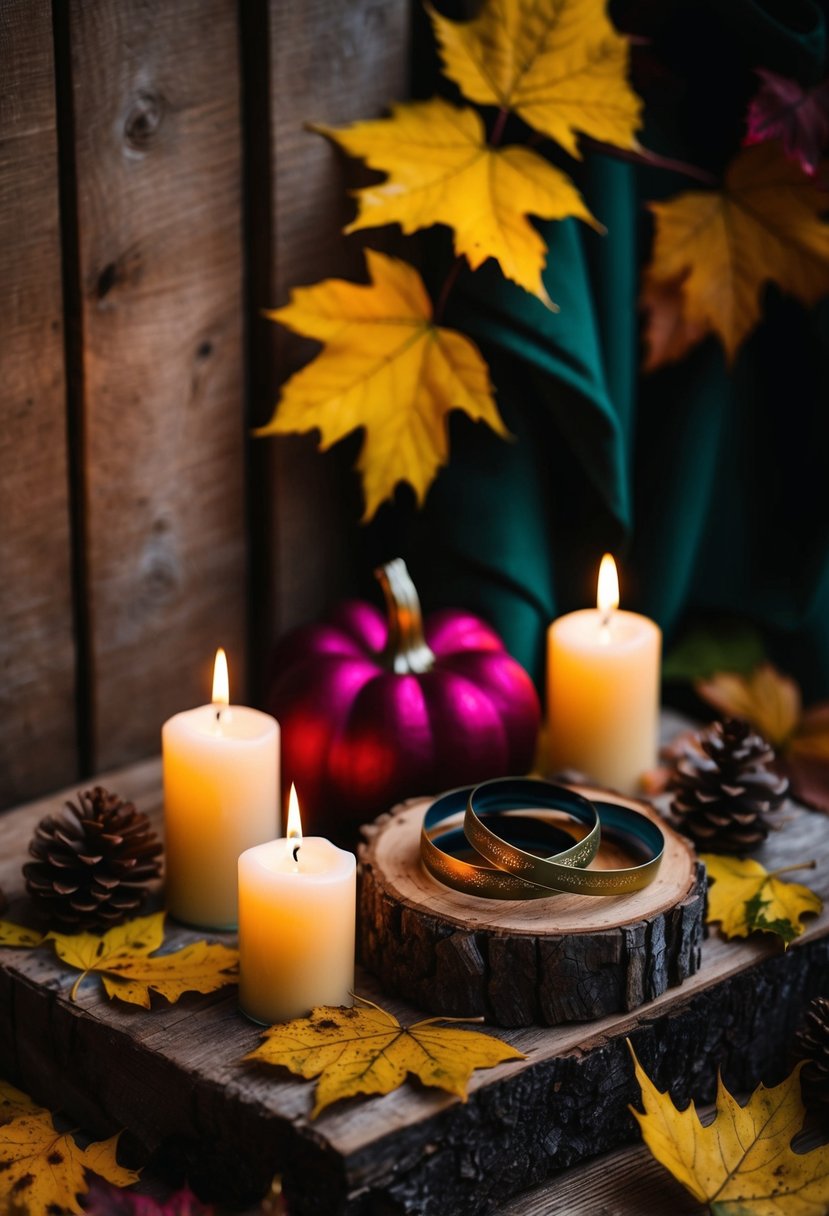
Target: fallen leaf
766,698
105,1200
782,109
384,367
18,935
365,1050
122,959
742,1163
441,170
44,1170
746,898
764,226
559,64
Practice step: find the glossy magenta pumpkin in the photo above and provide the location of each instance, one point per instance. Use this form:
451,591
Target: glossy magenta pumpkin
374,709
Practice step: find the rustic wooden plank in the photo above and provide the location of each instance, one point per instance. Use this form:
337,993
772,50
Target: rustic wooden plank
37,655
175,1076
629,1182
155,92
328,63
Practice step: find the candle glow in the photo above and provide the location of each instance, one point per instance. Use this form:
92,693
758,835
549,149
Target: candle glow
294,831
607,591
221,680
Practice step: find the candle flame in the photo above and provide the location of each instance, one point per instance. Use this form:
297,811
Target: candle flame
607,596
294,820
221,684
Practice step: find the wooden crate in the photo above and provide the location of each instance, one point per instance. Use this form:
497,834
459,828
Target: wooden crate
175,1078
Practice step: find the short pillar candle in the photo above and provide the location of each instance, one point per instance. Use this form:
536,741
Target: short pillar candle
297,916
603,669
221,796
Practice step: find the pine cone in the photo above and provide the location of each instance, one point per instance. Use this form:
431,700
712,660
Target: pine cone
812,1044
724,790
92,862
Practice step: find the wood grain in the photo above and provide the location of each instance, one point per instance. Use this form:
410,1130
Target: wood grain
331,64
564,959
37,657
175,1078
155,95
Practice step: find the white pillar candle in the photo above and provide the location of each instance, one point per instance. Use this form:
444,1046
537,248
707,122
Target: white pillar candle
297,912
221,796
603,690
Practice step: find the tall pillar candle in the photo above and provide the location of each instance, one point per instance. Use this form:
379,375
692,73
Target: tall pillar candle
221,796
603,670
297,911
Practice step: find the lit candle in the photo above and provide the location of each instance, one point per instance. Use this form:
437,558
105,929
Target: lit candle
221,796
603,690
297,908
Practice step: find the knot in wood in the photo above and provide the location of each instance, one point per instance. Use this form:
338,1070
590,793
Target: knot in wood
143,120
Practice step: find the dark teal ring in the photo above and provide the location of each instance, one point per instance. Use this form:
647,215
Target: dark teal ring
438,846
561,873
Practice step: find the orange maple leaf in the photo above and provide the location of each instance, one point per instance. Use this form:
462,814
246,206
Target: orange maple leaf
764,226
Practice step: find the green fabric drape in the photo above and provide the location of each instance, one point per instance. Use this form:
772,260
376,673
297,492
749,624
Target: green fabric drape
710,485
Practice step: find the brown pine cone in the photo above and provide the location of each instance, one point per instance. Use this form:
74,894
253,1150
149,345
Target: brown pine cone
92,862
812,1045
724,790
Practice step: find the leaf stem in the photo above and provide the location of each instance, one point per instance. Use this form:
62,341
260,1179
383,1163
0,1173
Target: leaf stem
498,128
652,159
432,1021
446,289
77,984
800,865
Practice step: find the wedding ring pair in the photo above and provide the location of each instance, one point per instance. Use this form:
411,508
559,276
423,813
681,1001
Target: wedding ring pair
527,856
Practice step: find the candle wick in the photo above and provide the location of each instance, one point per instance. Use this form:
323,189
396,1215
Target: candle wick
295,850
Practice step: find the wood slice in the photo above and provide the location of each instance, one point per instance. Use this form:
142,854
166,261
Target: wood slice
569,958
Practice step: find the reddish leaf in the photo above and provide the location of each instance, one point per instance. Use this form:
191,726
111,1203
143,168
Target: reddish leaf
806,759
809,780
668,333
106,1200
783,110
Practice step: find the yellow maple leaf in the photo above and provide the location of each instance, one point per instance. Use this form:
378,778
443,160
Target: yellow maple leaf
745,898
559,64
14,1102
764,226
365,1050
385,367
441,170
44,1170
18,935
741,1164
766,698
122,959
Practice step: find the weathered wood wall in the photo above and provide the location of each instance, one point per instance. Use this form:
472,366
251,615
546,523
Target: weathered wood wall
157,190
37,657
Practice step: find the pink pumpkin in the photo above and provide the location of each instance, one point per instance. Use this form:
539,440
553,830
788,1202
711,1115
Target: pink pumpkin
372,711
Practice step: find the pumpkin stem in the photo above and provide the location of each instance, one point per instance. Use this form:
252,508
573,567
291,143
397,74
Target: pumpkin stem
406,650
